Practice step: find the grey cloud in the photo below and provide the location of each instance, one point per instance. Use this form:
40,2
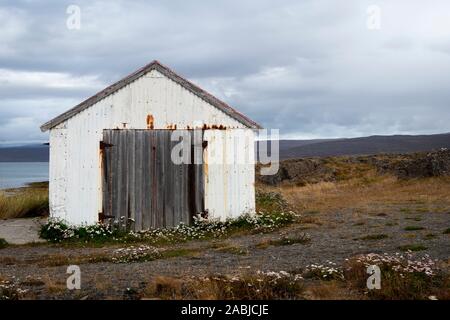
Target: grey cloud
310,68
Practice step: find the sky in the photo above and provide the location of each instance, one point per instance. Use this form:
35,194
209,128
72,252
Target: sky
311,68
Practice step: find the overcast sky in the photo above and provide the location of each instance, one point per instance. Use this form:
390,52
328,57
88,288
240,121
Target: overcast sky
312,68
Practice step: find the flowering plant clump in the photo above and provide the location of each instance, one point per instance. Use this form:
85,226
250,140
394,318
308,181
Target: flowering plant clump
10,291
136,254
261,285
402,276
57,230
201,228
327,271
401,263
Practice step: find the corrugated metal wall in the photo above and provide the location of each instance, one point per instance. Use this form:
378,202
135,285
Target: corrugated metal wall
75,179
229,172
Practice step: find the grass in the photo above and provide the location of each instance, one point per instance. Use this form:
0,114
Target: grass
446,231
232,250
359,196
414,218
285,241
398,285
218,287
56,260
30,201
375,237
3,243
413,247
175,253
413,228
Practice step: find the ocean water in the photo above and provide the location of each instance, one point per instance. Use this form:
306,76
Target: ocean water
18,174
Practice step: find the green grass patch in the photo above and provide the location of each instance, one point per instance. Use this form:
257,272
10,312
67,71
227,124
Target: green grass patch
413,228
412,247
3,243
285,241
414,218
446,231
31,201
270,202
175,253
375,237
233,250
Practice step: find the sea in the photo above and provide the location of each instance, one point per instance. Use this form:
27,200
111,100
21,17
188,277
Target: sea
19,174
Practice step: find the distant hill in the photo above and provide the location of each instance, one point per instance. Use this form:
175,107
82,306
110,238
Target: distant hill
27,153
363,146
290,148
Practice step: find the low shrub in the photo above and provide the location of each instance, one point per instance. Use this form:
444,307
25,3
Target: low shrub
375,237
413,228
328,271
3,243
57,230
413,247
287,241
10,290
270,202
402,276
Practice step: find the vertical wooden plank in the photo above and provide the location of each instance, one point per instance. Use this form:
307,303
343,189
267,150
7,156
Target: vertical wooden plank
115,174
106,169
138,187
160,176
146,180
124,175
131,169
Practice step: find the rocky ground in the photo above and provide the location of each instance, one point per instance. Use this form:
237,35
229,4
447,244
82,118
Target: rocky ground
334,237
404,166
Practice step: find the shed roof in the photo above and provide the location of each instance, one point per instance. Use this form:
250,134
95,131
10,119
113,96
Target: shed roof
154,65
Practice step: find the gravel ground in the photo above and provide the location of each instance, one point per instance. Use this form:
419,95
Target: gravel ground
334,237
21,231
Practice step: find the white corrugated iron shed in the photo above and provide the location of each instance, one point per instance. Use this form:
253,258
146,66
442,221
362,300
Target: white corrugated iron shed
152,98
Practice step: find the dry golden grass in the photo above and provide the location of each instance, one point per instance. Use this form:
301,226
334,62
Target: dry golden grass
246,287
55,260
331,290
53,286
24,202
424,195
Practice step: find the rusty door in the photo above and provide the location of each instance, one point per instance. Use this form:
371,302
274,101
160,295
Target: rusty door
143,185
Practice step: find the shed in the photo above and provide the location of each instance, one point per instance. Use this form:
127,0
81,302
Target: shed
110,156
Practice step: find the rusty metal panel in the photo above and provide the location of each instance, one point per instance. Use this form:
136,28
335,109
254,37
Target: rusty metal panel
142,183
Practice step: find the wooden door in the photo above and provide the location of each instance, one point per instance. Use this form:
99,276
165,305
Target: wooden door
142,184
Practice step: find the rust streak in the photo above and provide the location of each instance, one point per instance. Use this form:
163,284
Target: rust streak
214,127
150,122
